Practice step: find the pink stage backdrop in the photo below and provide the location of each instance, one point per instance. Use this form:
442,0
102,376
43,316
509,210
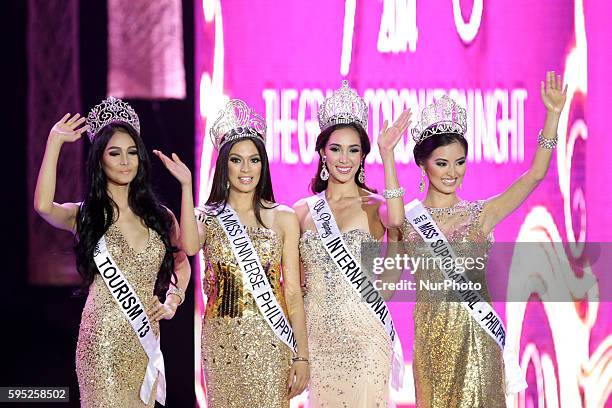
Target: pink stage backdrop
283,58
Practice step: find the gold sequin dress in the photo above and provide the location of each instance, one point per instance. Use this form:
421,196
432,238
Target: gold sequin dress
350,352
244,363
456,363
110,362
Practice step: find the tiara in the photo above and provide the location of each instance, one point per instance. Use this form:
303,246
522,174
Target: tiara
344,106
236,121
442,116
110,110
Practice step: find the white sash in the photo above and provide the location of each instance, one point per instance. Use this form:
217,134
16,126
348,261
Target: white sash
126,298
480,310
334,244
254,276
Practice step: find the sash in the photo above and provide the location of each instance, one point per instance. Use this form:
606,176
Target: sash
480,310
346,262
254,276
126,298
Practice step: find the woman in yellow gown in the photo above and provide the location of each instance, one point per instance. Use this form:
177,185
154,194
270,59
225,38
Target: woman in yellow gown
245,364
456,363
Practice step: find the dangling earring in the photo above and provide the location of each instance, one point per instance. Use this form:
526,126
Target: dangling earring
361,176
228,185
324,175
422,183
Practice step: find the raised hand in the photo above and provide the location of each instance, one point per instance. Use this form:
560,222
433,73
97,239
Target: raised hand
553,92
67,129
176,167
390,136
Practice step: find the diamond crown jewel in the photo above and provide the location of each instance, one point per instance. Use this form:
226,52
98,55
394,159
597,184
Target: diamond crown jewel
442,116
235,121
344,106
111,110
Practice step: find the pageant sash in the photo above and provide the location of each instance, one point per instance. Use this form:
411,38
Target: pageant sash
128,301
254,276
345,261
480,310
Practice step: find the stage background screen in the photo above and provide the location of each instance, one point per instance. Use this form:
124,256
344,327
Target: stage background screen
283,58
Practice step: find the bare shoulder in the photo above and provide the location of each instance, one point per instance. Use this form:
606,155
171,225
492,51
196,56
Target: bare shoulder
300,209
300,204
285,215
285,221
283,210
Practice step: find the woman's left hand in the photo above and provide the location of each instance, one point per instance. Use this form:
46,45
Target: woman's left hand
158,310
390,136
299,375
553,93
176,167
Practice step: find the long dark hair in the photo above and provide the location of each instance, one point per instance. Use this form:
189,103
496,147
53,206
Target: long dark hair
263,191
316,184
423,150
98,211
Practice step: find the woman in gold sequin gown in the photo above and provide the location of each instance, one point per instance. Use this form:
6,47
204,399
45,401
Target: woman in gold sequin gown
244,363
351,353
110,360
456,363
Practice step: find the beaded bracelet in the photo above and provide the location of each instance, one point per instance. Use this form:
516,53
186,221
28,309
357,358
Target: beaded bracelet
394,192
294,359
547,143
175,290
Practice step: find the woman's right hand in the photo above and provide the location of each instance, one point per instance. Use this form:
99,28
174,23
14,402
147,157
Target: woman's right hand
67,129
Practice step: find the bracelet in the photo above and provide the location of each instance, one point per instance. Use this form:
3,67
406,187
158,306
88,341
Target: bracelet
175,290
294,359
546,143
394,193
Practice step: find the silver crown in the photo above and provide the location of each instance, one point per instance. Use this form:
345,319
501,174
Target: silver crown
235,121
111,110
343,107
442,116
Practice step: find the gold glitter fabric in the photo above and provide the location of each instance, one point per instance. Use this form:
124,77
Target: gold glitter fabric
244,363
350,352
110,362
456,363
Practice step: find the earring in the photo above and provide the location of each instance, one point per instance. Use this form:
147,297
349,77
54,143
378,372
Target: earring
361,176
422,183
228,185
324,175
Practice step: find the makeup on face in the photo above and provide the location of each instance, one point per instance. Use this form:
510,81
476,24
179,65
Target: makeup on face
343,154
446,167
120,158
244,166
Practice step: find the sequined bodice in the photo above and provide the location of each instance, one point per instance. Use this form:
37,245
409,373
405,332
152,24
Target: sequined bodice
222,281
140,269
320,271
460,224
350,352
